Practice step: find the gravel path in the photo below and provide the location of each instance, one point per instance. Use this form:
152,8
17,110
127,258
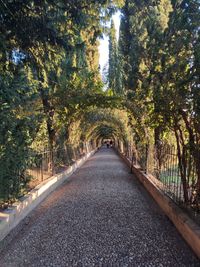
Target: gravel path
101,217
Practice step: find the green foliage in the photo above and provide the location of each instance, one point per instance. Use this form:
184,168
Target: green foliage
19,122
49,78
159,47
106,123
51,90
114,70
112,57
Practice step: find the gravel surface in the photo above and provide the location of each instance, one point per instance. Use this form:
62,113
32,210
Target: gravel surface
101,217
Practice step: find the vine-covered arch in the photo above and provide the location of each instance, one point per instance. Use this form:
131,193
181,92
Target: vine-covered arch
99,124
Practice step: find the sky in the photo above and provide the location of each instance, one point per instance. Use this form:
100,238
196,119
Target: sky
103,47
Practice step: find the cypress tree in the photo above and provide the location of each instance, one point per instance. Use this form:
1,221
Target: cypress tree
112,72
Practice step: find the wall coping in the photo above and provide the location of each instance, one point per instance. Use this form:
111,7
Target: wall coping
188,229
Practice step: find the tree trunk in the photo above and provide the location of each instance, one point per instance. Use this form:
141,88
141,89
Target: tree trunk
49,112
194,150
182,163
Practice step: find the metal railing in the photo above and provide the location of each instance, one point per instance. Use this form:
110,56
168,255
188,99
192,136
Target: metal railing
48,163
40,167
163,168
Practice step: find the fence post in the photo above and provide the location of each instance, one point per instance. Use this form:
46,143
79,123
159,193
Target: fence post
52,161
146,167
42,159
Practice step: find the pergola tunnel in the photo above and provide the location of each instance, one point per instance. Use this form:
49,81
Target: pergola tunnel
108,125
78,75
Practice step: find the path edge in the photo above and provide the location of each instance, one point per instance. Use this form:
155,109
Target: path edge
188,229
12,216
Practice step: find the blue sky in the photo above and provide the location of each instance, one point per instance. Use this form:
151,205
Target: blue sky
103,47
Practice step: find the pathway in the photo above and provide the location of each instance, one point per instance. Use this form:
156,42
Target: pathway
100,217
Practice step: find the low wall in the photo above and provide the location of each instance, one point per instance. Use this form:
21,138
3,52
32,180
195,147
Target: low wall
189,230
13,215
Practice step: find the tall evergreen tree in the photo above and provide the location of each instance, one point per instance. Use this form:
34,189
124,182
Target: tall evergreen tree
112,72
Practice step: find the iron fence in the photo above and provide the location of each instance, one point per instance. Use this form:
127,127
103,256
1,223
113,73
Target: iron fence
162,165
48,163
40,166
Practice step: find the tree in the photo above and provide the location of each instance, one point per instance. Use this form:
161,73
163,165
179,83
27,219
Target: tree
112,73
48,51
